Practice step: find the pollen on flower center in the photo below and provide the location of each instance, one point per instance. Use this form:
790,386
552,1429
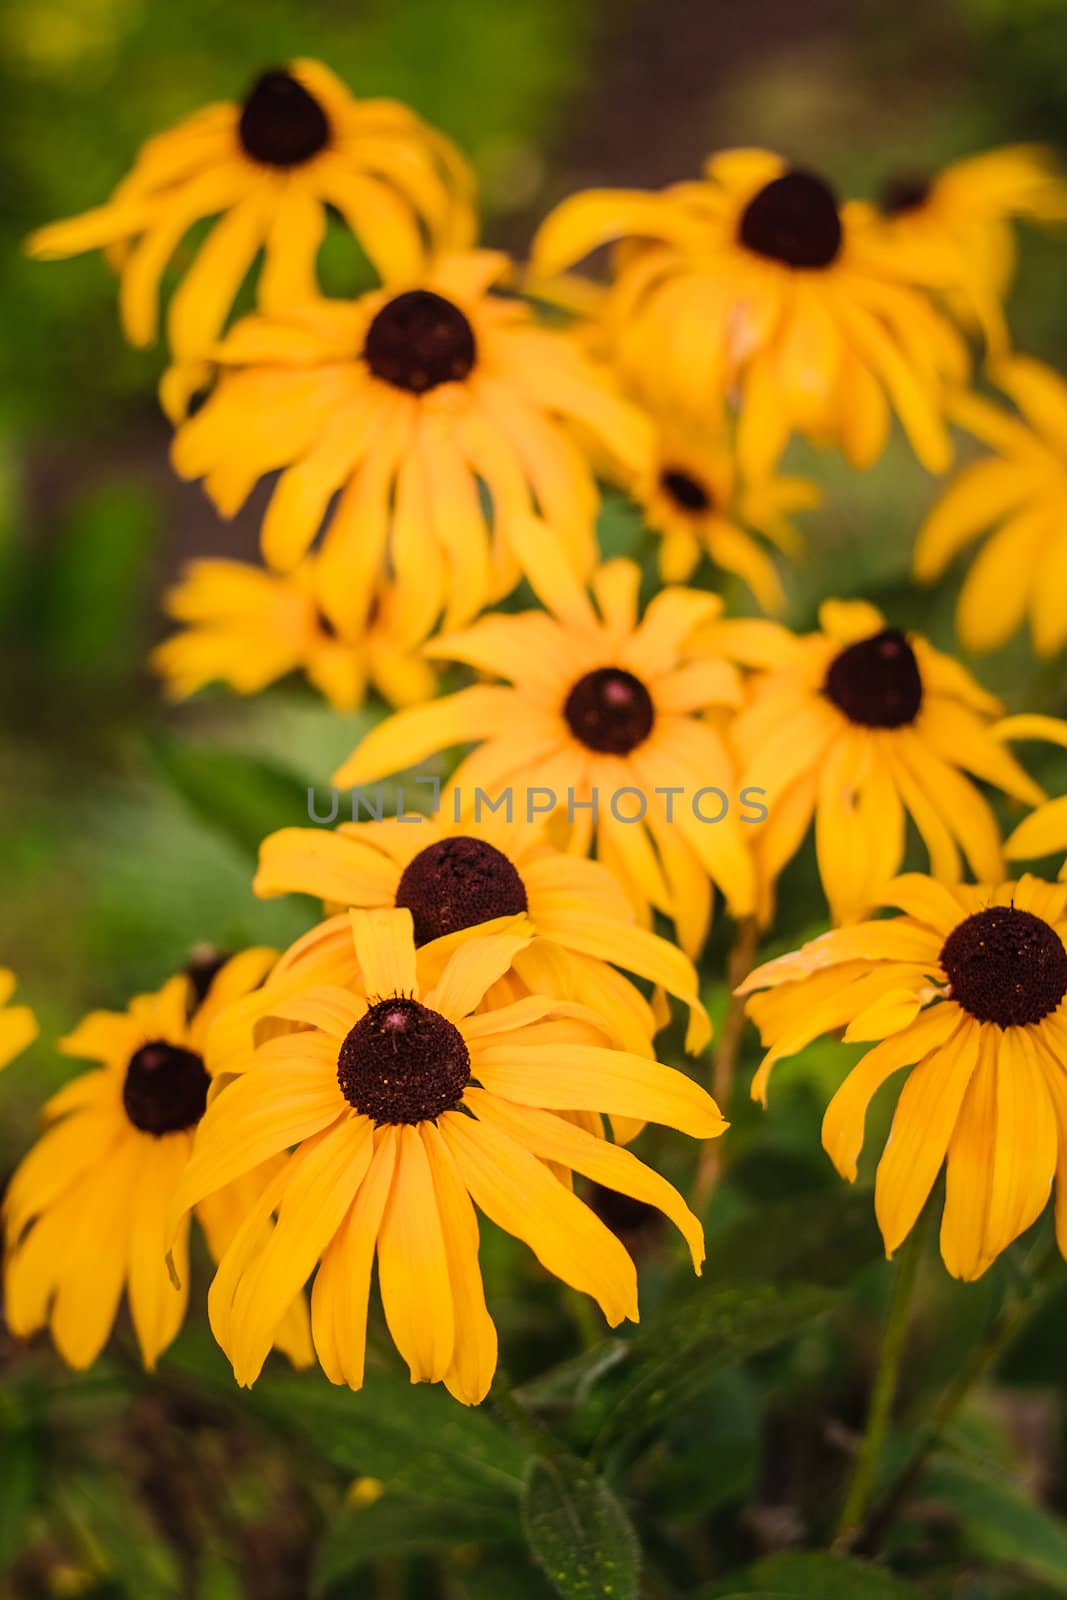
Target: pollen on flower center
458,883
165,1089
403,1062
1006,966
610,711
282,125
793,219
902,194
419,340
686,492
876,682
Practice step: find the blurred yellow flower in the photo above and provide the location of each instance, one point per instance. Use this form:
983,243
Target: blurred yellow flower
966,990
412,404
1044,831
1020,493
858,727
85,1213
405,1107
18,1025
269,168
754,282
247,628
599,721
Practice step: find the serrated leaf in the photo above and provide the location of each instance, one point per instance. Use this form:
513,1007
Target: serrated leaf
239,796
415,1438
677,1351
817,1575
579,1533
1003,1524
397,1525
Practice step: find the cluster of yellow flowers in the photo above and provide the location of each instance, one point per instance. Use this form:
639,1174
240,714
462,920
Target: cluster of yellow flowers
461,1029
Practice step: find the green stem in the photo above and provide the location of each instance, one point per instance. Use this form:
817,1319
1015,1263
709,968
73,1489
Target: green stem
865,1471
724,1060
1008,1323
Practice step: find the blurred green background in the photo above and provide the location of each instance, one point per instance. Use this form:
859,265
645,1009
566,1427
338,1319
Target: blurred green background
110,875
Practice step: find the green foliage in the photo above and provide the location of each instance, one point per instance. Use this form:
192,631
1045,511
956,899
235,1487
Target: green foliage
819,1577
578,1532
238,796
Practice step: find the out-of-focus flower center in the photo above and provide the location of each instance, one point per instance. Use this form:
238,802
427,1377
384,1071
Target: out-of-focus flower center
687,493
902,194
420,340
202,969
403,1062
876,682
610,711
458,883
282,125
1006,966
165,1089
793,219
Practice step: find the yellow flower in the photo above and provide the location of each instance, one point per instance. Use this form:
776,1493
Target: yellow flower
1021,493
755,279
404,1107
269,169
454,876
966,990
961,220
695,497
599,721
411,403
85,1213
18,1025
858,727
1044,831
247,628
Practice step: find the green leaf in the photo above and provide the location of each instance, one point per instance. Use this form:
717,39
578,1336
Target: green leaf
397,1525
20,1470
239,796
822,1238
415,1438
677,1351
579,1533
97,581
1003,1524
144,1567
818,1576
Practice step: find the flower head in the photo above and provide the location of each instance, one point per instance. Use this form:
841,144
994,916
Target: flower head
600,720
966,991
755,279
411,401
856,728
407,1107
247,627
85,1213
1020,493
269,168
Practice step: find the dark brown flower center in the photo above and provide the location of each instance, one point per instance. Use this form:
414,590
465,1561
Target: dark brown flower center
403,1062
902,194
610,711
689,494
793,219
1006,966
282,125
459,883
876,682
202,969
165,1088
420,340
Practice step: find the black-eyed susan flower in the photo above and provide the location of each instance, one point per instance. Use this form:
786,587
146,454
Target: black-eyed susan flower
856,728
599,721
695,498
755,279
85,1214
959,222
268,169
966,991
1020,493
1044,831
408,1108
18,1025
414,401
247,627
454,876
